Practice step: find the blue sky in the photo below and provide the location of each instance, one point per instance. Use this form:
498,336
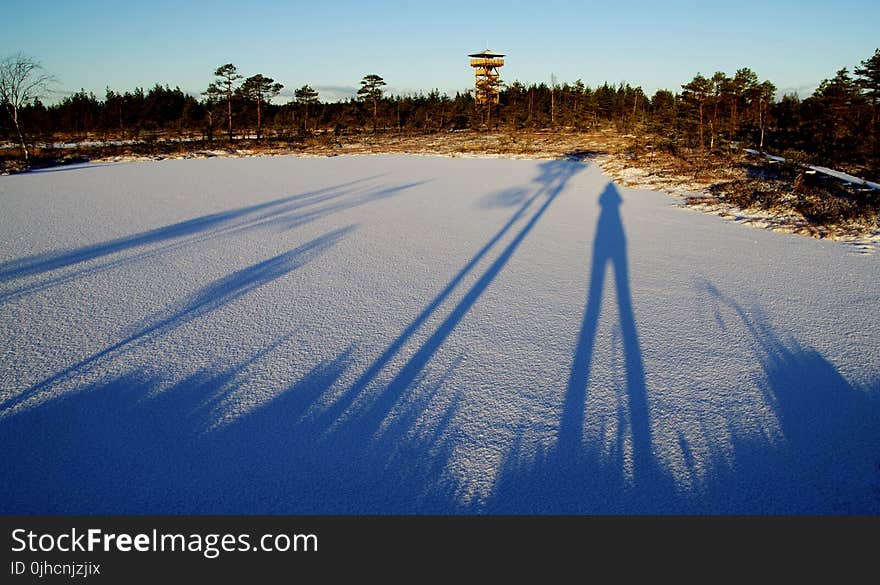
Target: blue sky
93,44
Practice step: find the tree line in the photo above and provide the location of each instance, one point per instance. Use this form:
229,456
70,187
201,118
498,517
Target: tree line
838,123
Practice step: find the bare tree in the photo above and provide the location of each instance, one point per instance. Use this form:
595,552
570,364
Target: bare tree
22,80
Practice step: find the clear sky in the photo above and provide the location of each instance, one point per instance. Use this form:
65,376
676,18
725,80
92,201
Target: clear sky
332,44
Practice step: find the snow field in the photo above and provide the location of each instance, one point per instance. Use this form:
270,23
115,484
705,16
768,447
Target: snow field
394,334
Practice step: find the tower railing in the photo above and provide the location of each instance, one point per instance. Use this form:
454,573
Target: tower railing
487,63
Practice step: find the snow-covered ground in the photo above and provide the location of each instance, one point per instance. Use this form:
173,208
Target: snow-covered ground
396,334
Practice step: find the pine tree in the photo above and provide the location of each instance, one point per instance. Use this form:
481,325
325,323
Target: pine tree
695,95
720,82
213,96
371,89
833,116
260,89
305,96
787,113
868,75
663,110
736,90
227,75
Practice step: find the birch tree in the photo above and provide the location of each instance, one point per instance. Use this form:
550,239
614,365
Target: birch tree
22,80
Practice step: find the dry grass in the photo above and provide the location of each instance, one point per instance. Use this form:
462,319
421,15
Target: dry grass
755,192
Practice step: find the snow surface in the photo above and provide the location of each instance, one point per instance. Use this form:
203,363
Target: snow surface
396,334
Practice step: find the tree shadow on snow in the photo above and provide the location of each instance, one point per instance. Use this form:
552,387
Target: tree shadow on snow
196,305
375,406
321,443
826,457
280,214
129,444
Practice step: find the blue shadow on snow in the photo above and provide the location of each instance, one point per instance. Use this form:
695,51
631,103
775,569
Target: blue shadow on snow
130,444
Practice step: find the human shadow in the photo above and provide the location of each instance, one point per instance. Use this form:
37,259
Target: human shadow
609,252
575,476
798,438
317,443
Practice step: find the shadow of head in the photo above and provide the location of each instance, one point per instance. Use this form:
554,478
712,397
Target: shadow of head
610,197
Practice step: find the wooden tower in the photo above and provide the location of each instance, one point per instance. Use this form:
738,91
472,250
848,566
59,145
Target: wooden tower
486,65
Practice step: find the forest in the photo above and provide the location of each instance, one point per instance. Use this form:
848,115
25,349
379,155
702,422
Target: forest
836,125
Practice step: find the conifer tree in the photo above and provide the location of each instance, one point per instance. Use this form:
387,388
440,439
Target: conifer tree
305,96
696,94
227,75
371,89
719,83
834,116
742,84
868,78
260,89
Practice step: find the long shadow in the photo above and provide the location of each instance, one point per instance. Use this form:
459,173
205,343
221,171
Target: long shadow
287,220
286,216
124,445
48,261
827,459
134,443
817,453
553,177
609,251
65,167
575,477
121,446
203,301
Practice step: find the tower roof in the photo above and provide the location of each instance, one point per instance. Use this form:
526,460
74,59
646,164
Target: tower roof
486,54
